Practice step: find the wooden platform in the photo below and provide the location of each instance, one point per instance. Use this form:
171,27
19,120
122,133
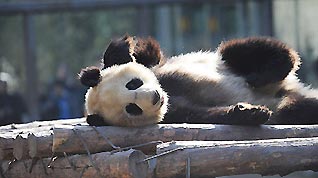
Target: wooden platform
72,148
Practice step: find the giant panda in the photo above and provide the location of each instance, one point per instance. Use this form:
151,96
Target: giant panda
248,81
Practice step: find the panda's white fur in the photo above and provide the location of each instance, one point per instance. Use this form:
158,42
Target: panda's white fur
227,88
224,87
110,96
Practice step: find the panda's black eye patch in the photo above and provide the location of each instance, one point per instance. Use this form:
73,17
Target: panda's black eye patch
133,84
133,109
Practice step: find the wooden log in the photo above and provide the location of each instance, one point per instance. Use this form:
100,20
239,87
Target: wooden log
36,124
118,165
34,145
40,144
20,146
9,133
64,139
224,158
6,148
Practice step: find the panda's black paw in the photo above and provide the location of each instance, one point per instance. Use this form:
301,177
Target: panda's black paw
96,120
247,114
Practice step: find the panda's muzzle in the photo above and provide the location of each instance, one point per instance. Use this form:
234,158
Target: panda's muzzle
156,98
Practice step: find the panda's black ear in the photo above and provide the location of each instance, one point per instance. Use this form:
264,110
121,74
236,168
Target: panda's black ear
119,51
90,76
147,52
96,120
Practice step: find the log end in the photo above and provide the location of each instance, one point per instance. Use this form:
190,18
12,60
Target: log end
138,168
127,164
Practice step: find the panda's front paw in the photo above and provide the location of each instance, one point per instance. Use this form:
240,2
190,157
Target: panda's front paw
247,114
96,120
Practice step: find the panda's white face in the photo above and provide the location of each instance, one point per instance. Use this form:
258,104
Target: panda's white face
128,95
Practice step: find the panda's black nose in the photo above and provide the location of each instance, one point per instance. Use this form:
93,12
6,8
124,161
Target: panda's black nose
156,97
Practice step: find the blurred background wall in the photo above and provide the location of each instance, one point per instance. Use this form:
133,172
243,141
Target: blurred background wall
45,43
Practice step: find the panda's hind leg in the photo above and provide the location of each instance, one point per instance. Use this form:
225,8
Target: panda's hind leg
260,61
296,110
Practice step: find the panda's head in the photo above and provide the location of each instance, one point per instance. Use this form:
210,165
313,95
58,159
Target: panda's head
123,93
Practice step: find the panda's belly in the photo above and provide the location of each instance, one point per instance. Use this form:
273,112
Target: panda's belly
211,84
235,89
197,65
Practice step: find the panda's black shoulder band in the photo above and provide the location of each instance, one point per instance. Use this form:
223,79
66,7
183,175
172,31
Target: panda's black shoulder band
90,76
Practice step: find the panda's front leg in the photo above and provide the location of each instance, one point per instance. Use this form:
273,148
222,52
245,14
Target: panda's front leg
183,111
247,114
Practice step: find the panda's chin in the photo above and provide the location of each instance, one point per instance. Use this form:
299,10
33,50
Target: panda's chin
156,115
162,101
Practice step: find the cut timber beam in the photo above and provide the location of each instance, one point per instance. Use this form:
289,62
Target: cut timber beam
41,129
224,158
65,140
117,165
45,138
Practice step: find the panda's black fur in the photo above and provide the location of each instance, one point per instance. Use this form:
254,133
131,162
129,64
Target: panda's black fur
253,82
